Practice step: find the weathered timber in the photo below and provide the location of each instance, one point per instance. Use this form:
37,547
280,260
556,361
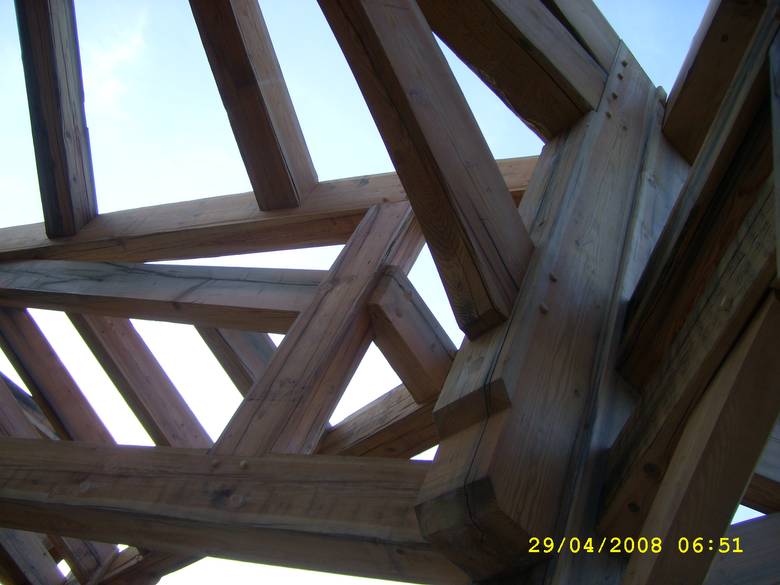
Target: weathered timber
228,224
24,559
83,557
525,55
760,539
48,380
644,447
393,425
589,26
288,407
714,56
55,95
763,493
261,299
141,381
255,96
480,503
409,336
707,205
30,408
244,355
274,509
476,238
738,403
774,99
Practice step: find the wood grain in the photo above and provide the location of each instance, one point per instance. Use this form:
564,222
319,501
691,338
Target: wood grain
55,96
255,96
259,299
479,245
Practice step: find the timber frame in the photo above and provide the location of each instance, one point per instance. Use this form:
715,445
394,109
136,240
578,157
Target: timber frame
620,375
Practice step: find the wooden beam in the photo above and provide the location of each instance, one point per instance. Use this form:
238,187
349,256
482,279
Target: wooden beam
393,425
763,493
287,410
486,494
475,235
48,380
644,447
255,96
141,381
721,441
55,95
262,299
713,59
525,55
735,158
84,558
585,21
409,336
760,539
31,409
24,559
244,355
275,509
229,224
774,104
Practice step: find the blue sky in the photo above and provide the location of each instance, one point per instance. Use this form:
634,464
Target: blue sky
159,134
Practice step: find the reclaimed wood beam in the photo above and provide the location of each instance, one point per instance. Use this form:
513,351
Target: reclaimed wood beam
472,228
643,449
55,95
480,502
141,381
228,224
393,425
525,55
272,509
261,299
255,96
24,559
774,104
721,442
735,159
723,38
760,539
287,410
409,336
244,355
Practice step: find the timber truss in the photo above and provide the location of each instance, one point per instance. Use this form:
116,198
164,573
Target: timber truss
618,294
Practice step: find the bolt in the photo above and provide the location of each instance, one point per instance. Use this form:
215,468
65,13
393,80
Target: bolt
544,309
553,277
609,114
624,63
620,76
243,464
614,95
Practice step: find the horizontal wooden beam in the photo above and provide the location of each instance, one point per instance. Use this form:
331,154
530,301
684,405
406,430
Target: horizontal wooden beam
409,336
525,55
393,425
337,514
719,45
261,299
141,381
760,539
718,448
255,96
228,224
721,187
55,95
478,241
244,355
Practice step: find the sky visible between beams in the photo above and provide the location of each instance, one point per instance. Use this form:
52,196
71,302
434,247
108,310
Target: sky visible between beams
159,134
